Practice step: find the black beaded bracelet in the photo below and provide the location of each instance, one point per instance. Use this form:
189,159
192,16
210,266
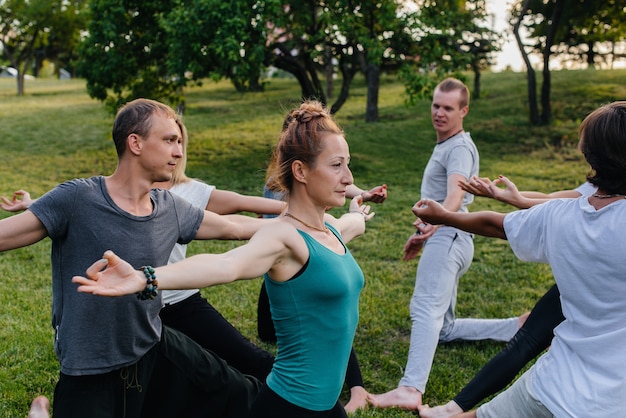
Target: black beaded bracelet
152,285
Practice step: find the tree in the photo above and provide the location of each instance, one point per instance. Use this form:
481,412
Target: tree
29,27
154,48
129,41
531,80
233,49
376,39
479,41
544,25
453,36
125,52
142,48
295,43
551,33
551,24
588,26
64,39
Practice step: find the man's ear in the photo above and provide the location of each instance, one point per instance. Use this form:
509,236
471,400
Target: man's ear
299,170
135,144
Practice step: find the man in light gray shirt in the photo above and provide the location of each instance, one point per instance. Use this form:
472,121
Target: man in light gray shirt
447,253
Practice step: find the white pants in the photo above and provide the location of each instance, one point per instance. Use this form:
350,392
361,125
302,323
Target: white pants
517,401
446,257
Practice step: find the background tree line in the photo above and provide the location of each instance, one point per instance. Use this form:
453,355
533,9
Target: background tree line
149,48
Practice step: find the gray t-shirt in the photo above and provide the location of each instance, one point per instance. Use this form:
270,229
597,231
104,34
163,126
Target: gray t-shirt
456,155
96,334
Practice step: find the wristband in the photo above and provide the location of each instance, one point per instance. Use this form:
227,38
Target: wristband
152,285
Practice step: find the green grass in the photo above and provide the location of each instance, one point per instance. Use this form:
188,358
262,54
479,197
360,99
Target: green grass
56,132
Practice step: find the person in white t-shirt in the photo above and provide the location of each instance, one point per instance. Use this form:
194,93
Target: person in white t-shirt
583,241
535,336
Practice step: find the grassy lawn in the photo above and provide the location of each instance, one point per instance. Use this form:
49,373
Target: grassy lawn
56,132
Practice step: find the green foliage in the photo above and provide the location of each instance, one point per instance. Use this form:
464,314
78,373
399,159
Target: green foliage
420,85
39,27
233,49
150,48
55,133
124,53
453,37
583,25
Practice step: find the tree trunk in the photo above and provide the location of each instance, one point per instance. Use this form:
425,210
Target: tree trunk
348,68
476,92
329,70
546,108
300,73
372,76
255,85
303,67
530,72
182,105
39,58
20,83
311,70
591,55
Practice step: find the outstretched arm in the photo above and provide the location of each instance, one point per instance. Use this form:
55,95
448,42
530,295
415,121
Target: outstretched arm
377,194
481,186
112,276
230,227
21,230
226,202
21,201
486,223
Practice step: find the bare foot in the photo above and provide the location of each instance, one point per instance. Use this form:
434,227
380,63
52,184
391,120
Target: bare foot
522,319
443,411
405,397
358,399
39,408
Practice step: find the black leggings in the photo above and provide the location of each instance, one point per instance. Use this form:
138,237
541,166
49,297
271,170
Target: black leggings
531,340
269,405
196,318
267,333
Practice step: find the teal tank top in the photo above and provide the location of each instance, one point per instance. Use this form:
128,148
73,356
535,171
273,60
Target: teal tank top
315,315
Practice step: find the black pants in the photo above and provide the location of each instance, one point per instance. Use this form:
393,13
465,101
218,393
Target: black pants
531,340
198,319
267,333
269,405
177,378
119,393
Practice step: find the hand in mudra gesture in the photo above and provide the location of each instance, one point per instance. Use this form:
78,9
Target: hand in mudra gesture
111,276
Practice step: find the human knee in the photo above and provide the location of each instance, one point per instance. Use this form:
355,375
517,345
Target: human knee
446,334
525,345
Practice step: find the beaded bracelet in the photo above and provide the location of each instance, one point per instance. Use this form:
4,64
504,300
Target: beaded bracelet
152,285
